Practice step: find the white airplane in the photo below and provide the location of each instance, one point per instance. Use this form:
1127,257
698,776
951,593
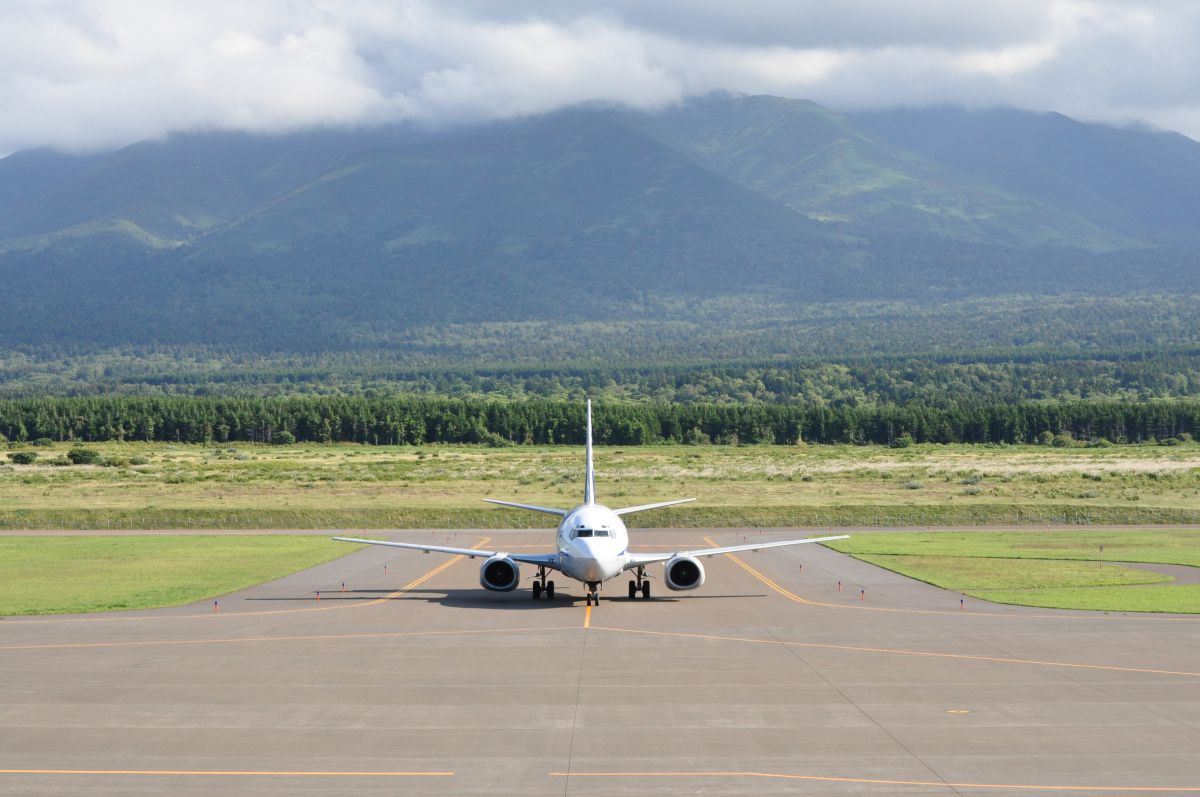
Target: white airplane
592,547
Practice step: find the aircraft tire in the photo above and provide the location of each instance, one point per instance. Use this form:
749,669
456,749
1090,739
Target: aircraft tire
537,590
633,590
549,590
645,590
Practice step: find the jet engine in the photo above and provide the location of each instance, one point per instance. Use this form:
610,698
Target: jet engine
684,572
499,574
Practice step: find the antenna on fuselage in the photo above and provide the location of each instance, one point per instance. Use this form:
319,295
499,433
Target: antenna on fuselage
589,482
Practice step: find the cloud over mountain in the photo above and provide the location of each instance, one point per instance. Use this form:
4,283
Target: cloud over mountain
81,74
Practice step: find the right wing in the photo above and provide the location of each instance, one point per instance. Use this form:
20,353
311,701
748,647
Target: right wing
636,559
547,510
547,559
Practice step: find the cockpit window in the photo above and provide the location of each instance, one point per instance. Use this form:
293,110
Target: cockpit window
601,532
583,532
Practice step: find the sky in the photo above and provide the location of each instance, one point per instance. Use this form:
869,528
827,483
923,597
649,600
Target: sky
84,75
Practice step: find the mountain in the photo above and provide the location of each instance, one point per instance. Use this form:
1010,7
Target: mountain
340,238
820,164
1139,182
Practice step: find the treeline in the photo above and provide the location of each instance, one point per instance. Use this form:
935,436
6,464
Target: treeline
417,420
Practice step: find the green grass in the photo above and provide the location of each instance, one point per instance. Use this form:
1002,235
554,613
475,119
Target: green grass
1053,569
976,574
66,575
355,486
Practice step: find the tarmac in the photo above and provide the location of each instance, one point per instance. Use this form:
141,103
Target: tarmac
766,680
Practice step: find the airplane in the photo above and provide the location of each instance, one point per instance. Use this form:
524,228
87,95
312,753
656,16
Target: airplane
592,546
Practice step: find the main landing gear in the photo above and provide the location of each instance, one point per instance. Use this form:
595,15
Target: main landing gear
641,584
543,587
593,596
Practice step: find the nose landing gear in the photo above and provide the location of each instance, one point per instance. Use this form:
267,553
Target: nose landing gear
593,596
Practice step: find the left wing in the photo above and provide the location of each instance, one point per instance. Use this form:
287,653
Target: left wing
638,559
549,560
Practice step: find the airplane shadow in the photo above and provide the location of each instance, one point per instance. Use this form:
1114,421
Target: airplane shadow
474,598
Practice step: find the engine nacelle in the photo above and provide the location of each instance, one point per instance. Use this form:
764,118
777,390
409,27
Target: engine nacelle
684,572
499,574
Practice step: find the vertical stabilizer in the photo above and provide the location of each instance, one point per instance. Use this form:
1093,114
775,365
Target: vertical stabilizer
589,483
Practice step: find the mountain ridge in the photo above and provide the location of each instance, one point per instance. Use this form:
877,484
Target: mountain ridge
588,212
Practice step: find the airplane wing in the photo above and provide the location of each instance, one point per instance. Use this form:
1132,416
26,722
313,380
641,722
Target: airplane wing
638,559
549,560
530,507
631,509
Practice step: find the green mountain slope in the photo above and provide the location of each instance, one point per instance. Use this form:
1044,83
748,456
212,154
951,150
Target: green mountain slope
1141,182
819,163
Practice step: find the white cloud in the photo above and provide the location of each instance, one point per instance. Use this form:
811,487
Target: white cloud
100,73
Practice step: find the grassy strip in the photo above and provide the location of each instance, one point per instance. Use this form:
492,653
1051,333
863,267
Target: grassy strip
972,574
63,575
844,515
1052,569
1183,599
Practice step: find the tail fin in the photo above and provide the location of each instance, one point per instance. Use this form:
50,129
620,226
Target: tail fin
589,483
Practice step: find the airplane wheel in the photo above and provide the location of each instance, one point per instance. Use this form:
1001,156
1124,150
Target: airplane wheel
589,599
549,590
596,599
537,590
632,590
645,590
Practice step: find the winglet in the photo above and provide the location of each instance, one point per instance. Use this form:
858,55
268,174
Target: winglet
589,484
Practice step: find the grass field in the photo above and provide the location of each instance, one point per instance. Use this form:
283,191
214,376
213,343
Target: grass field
61,575
1059,569
354,486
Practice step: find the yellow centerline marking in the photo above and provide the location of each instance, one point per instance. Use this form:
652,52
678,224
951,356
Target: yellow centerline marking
419,581
1011,615
227,773
587,618
875,781
163,616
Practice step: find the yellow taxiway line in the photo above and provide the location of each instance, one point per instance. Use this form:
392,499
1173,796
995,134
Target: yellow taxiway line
234,773
904,652
880,781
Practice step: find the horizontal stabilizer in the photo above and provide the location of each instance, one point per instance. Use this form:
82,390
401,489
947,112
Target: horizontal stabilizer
629,510
545,509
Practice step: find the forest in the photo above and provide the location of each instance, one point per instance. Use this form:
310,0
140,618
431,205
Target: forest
418,420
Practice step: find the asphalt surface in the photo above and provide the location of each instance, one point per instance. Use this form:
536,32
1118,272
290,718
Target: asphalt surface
767,679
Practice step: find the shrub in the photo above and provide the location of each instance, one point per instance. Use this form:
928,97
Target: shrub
23,457
84,456
903,441
43,442
284,438
138,461
1063,440
1045,438
972,491
912,485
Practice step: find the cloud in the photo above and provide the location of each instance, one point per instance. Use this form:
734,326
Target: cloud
82,74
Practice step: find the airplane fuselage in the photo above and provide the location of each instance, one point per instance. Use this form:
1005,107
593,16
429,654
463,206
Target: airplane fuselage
593,544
